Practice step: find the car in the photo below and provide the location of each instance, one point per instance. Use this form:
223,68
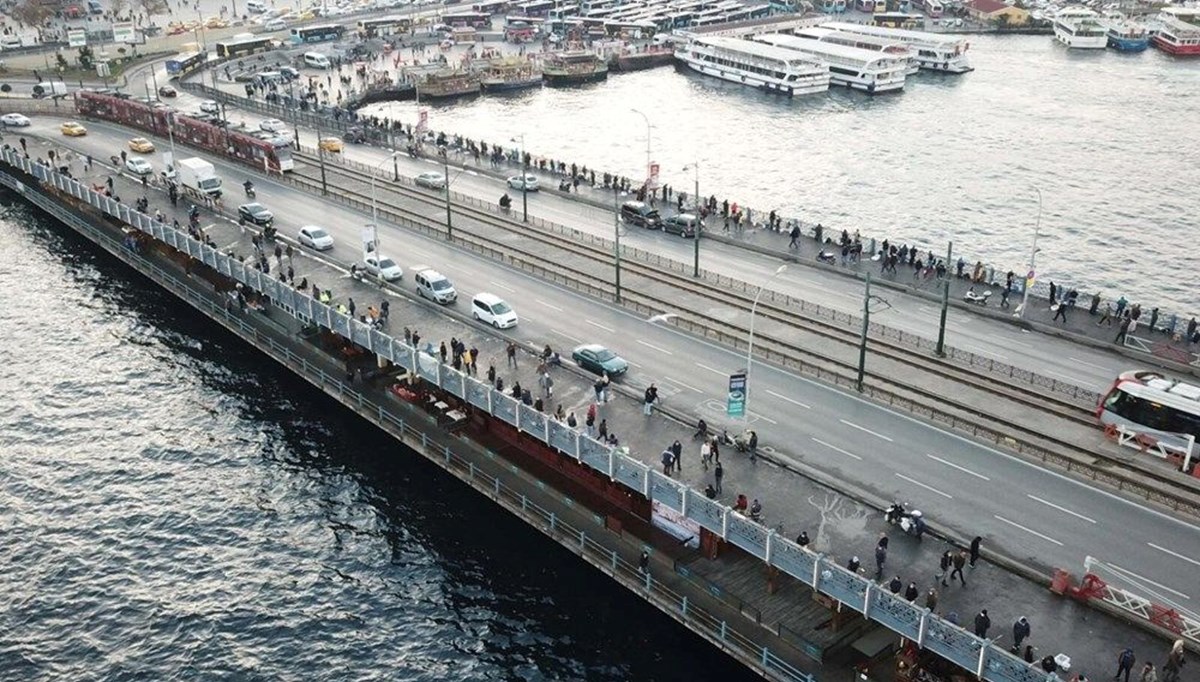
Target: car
315,238
597,359
210,106
529,184
435,286
682,224
73,129
272,125
640,213
255,213
333,145
138,166
141,145
15,120
384,267
167,91
493,310
289,73
275,25
431,179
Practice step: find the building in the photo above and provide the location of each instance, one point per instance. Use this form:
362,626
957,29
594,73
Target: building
996,12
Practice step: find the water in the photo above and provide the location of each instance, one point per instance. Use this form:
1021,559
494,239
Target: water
176,506
1108,138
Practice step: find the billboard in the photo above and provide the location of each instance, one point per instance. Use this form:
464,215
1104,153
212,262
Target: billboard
123,32
76,37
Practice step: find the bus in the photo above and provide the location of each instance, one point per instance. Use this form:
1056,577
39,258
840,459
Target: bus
238,47
1150,404
537,8
933,9
898,20
471,19
317,34
187,61
384,26
490,7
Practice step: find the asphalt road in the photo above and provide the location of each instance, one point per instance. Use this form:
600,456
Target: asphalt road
1021,509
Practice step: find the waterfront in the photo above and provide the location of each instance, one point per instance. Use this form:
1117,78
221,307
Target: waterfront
181,507
1105,136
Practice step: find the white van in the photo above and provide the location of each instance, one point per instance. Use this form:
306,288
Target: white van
316,60
491,309
256,6
435,286
275,25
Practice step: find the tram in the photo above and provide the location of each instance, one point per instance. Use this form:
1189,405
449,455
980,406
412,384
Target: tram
1149,403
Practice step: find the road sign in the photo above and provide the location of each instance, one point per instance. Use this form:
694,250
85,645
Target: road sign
735,403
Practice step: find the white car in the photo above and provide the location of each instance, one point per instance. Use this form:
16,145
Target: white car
385,267
431,180
16,120
210,106
138,166
315,238
529,183
493,310
273,125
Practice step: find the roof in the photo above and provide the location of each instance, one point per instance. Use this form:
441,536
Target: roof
987,6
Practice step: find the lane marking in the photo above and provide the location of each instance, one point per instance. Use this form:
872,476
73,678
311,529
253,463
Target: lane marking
714,371
863,428
956,466
1089,364
501,286
1174,554
567,336
600,326
1028,530
929,488
983,351
1064,510
766,419
1147,580
552,307
837,449
1075,380
794,402
654,347
676,381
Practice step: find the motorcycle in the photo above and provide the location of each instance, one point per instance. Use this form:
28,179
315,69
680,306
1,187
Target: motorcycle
249,189
912,523
827,257
269,232
979,299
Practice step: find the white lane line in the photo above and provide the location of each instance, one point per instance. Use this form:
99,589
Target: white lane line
654,347
863,428
837,449
714,371
1064,510
423,254
794,402
1074,380
956,466
633,364
1146,580
552,307
930,489
1028,530
983,351
676,381
1174,554
600,326
1088,364
566,336
1010,342
501,286
766,419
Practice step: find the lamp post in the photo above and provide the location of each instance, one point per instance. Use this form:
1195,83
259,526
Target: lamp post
525,184
1037,228
617,239
647,120
862,341
750,341
695,166
940,351
375,219
445,154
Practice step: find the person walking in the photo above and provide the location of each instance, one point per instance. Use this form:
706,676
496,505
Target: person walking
1126,325
1175,662
1125,661
648,399
604,381
975,543
1020,632
959,561
667,460
510,351
1060,311
931,599
944,566
644,562
982,623
1148,673
880,560
705,454
795,235
718,474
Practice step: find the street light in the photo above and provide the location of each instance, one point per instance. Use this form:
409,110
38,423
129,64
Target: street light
375,218
617,240
524,179
862,341
695,166
445,154
750,342
647,120
1037,228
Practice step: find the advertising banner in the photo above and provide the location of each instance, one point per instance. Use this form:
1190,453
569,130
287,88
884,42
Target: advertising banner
735,404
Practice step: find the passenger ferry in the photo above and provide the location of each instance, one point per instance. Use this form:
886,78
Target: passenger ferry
1127,36
871,72
865,42
574,67
1080,28
1180,32
769,68
933,51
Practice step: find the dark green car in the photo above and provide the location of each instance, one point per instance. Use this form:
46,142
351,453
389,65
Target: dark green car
598,359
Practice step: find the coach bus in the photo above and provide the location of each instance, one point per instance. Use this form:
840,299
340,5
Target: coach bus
1149,403
471,19
490,7
317,34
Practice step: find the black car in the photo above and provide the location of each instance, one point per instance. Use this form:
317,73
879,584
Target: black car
167,91
682,224
255,213
640,213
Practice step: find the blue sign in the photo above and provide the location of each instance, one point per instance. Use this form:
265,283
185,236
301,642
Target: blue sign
735,404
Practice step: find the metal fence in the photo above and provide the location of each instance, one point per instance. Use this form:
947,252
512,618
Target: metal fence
992,663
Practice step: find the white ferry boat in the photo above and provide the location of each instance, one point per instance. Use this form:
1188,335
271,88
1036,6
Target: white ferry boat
934,51
769,68
853,67
864,42
1080,28
1180,31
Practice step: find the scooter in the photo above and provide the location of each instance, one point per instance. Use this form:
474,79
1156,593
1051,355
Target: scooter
827,257
249,189
912,523
978,299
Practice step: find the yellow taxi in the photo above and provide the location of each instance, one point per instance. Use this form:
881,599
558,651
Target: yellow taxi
73,129
306,15
332,144
141,145
216,22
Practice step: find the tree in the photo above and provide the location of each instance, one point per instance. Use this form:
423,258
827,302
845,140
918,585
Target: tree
61,60
119,8
153,7
86,57
32,13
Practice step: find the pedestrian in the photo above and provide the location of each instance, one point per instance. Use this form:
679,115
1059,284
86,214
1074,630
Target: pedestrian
1020,632
1125,661
572,422
911,592
649,399
880,560
604,381
716,450
1060,310
705,454
590,422
511,351
603,429
644,562
944,566
1126,327
701,430
959,561
853,565
883,540
718,474
795,235
982,623
802,538
667,460
1148,673
975,550
931,599
895,586
1029,653
598,387
1175,662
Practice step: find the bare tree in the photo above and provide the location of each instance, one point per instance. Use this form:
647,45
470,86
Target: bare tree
153,7
32,13
836,508
119,8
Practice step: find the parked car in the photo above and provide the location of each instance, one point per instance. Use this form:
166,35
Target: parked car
255,213
493,310
73,129
431,179
138,166
596,358
15,120
640,213
682,224
315,238
141,145
167,91
383,267
528,183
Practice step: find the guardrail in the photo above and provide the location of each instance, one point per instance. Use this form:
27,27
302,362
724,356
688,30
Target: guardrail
928,630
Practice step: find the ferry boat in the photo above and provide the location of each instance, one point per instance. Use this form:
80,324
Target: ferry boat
933,51
872,72
449,84
766,67
865,42
504,74
574,67
1080,28
1126,36
1180,31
